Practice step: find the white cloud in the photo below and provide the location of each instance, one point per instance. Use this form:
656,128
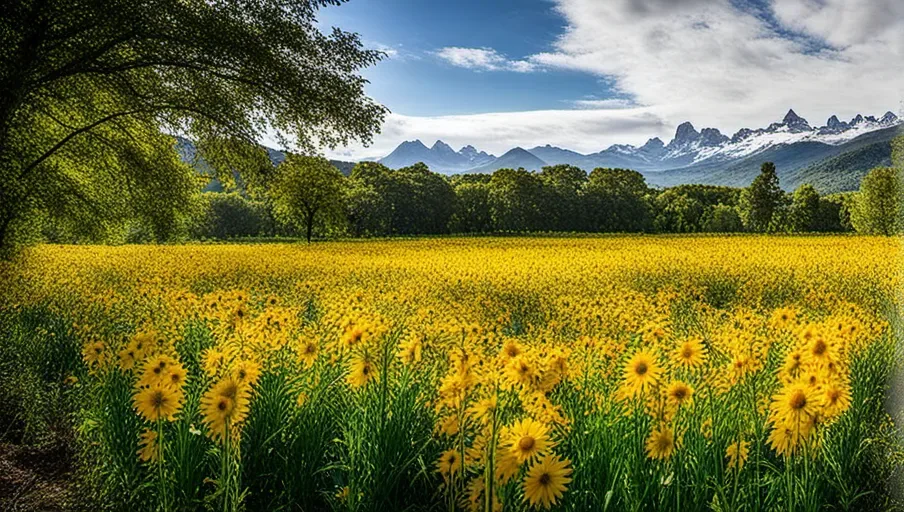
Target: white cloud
716,65
483,59
580,130
706,61
607,104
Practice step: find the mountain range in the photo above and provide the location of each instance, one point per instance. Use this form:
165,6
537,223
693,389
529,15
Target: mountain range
705,156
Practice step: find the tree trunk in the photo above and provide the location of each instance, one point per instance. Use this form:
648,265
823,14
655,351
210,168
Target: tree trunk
310,227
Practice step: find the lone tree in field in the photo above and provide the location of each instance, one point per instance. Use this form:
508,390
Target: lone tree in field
308,191
760,201
879,207
90,87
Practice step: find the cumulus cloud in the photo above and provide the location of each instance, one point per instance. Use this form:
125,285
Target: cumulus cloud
483,59
717,63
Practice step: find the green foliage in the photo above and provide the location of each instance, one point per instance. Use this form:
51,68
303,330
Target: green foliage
472,208
515,200
617,200
228,215
879,207
410,200
91,86
761,200
309,191
563,202
804,209
722,219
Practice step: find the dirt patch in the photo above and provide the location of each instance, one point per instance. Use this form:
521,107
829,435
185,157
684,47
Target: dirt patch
35,478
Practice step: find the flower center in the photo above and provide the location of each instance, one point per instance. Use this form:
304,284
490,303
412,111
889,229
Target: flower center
640,368
526,443
798,401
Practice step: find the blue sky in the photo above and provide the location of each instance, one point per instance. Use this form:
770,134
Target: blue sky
585,74
416,82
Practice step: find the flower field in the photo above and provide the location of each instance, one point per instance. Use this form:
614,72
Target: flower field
619,373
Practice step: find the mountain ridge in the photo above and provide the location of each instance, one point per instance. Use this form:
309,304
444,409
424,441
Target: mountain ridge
689,148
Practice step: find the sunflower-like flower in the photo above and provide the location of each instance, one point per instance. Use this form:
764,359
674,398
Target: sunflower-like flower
224,406
308,351
679,394
158,402
246,372
545,481
641,373
529,439
690,354
361,371
156,370
449,463
661,443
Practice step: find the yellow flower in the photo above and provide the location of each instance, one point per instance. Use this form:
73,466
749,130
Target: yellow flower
484,409
158,402
224,407
691,353
507,466
545,481
449,463
736,453
361,371
149,450
94,353
640,374
661,443
678,393
246,372
156,370
308,353
528,439
836,398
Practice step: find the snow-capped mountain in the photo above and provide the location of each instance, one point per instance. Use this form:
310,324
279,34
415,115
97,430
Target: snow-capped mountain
689,148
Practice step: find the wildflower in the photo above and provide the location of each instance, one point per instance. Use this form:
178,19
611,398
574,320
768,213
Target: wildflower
148,448
640,374
158,402
529,439
678,393
449,463
361,371
736,453
545,481
691,353
661,443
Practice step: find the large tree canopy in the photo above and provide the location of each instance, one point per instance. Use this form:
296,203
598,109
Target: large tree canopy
89,86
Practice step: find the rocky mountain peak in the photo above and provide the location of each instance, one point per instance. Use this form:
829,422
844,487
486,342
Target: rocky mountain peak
685,133
795,123
889,119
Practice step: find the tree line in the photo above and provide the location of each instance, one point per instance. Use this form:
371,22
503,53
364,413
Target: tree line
308,197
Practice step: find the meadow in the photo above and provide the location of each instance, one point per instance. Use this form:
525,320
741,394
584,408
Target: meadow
597,373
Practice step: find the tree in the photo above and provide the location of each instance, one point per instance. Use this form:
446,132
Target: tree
879,207
721,219
515,199
563,185
423,201
760,201
804,211
307,191
227,215
90,86
472,208
617,200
